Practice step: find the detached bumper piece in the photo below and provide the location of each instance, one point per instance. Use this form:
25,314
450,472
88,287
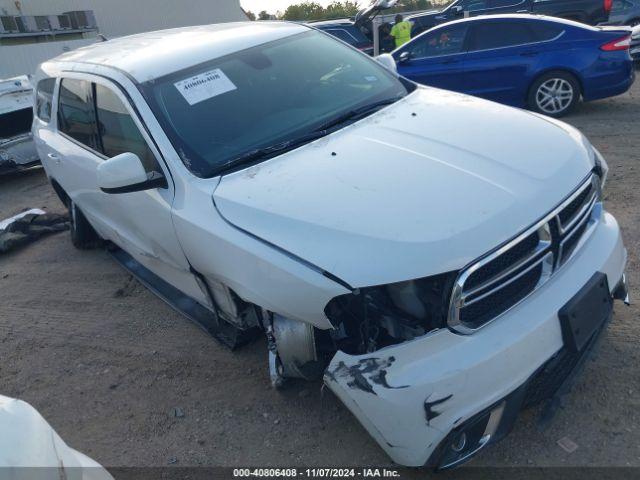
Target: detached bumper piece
29,228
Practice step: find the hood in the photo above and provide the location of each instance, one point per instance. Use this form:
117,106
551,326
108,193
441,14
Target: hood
423,186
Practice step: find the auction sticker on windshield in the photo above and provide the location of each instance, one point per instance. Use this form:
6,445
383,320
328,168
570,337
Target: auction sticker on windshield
204,86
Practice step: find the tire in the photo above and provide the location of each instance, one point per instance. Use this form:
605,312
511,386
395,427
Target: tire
554,94
83,236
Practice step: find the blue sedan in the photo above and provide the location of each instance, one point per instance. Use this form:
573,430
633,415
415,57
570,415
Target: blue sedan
542,63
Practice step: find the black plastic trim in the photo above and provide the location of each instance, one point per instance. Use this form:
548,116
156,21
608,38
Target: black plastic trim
156,182
209,321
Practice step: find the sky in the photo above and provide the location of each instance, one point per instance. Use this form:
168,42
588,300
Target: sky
273,6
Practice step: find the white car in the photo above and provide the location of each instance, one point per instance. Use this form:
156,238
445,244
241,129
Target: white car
30,449
441,260
17,151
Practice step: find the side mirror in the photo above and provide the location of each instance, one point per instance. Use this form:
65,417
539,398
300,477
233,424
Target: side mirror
404,57
456,9
124,173
388,62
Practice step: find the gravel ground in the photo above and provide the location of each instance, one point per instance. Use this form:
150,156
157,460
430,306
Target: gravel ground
126,380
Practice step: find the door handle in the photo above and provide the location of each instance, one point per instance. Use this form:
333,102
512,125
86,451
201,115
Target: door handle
449,62
529,54
55,157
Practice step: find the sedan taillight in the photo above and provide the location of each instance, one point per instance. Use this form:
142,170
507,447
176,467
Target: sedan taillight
621,43
607,5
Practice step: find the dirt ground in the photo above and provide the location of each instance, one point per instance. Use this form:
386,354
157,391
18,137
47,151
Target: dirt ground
126,380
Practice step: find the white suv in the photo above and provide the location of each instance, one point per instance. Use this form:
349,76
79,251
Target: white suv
441,260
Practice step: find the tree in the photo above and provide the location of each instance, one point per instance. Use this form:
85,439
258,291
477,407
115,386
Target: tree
263,15
250,15
309,10
304,11
338,9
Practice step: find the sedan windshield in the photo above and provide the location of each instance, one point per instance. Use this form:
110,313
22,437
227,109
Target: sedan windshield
260,101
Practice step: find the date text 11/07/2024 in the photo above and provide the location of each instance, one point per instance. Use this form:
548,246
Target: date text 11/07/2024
316,472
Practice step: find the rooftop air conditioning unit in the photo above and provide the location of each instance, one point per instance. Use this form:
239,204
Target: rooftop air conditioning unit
8,25
82,19
27,23
42,22
64,22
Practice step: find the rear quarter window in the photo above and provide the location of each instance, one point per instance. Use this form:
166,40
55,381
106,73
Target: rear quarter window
44,98
544,31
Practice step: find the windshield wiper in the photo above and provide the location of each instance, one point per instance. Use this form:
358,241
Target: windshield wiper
358,113
263,153
251,156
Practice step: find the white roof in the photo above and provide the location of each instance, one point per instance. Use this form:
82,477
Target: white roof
146,56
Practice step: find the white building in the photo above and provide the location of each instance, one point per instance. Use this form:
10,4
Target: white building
32,31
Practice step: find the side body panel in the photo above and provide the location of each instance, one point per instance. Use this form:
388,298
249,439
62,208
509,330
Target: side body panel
446,72
200,238
138,222
468,8
502,75
591,12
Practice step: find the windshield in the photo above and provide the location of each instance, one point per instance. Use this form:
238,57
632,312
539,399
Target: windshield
266,95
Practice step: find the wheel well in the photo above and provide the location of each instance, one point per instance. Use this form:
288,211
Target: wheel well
62,195
555,70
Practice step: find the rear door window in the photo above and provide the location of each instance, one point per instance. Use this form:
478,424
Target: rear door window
76,113
44,98
490,35
118,131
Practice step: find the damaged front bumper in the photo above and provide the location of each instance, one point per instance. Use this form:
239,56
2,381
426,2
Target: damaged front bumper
415,398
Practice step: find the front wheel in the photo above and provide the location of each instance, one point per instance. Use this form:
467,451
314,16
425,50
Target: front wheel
83,236
554,94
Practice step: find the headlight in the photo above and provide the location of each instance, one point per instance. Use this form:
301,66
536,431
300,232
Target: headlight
601,167
374,317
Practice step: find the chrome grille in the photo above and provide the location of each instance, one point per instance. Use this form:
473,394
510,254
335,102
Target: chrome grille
503,278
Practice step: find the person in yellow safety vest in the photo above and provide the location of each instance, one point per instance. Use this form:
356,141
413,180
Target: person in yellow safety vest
401,31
